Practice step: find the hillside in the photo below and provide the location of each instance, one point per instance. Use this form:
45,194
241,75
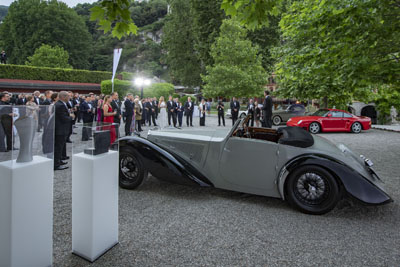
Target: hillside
3,12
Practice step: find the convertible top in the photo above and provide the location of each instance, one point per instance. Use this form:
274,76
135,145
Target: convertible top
295,136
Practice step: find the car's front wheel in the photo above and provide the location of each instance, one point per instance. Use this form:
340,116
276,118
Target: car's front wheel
314,128
131,171
276,120
312,190
356,127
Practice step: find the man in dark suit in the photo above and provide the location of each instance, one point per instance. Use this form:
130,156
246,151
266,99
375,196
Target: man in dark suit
129,110
235,107
63,121
221,115
250,111
189,111
116,106
6,121
21,100
171,108
267,109
179,112
151,116
155,104
87,118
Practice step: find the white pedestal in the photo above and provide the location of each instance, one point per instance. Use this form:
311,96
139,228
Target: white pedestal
94,204
26,213
196,112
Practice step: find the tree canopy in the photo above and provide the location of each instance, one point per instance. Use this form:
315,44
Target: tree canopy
334,48
237,69
31,23
47,56
178,40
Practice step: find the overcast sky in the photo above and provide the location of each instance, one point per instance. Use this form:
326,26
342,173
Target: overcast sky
70,3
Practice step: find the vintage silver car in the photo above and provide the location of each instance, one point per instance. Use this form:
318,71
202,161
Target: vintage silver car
283,115
308,171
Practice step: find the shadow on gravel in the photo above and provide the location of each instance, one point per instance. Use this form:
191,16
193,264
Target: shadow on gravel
346,208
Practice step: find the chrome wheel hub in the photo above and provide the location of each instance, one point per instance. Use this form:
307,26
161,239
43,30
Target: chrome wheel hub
311,187
128,166
314,128
356,127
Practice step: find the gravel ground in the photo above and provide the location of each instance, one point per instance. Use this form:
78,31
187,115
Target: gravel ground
165,224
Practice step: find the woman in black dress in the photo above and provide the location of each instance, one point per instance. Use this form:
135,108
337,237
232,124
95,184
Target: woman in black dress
202,108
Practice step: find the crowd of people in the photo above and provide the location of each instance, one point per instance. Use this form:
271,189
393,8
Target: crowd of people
69,108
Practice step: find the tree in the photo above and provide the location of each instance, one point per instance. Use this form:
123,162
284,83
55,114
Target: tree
207,17
267,38
47,56
237,70
253,13
178,40
333,48
30,23
159,89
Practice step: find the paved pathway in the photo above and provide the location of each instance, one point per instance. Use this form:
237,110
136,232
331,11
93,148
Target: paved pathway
393,128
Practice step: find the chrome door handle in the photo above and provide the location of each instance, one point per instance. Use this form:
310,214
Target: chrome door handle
227,150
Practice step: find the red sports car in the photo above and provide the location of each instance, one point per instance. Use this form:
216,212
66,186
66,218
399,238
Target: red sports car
331,120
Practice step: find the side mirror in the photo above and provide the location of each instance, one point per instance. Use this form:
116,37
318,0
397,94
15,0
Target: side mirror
329,115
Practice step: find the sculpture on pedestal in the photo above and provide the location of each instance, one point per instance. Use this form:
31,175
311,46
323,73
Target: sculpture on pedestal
26,126
393,115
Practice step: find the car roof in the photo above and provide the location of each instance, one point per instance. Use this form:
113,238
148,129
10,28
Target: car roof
334,109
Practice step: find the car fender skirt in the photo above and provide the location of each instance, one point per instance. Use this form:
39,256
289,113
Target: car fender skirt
359,187
164,165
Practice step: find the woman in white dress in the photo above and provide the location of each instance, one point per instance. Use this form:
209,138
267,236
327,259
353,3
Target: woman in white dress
163,112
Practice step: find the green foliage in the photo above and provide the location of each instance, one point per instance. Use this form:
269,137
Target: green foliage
159,89
253,13
184,99
121,87
47,56
237,70
147,12
267,38
178,40
127,75
9,71
141,53
385,98
335,48
207,17
31,23
114,16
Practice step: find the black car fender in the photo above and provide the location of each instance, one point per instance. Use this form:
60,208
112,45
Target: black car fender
164,164
353,182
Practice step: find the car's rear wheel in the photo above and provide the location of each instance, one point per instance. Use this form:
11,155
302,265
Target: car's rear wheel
314,128
312,189
131,171
356,127
276,120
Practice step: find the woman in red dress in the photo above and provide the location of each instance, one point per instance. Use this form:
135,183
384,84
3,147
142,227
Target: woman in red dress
108,117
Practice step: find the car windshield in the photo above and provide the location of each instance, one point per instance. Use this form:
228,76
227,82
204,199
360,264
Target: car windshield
320,113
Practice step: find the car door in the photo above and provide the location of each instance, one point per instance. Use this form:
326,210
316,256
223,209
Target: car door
248,165
334,122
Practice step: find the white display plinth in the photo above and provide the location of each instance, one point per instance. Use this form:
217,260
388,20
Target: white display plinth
94,204
26,213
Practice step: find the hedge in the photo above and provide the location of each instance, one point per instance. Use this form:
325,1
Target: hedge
121,87
21,72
